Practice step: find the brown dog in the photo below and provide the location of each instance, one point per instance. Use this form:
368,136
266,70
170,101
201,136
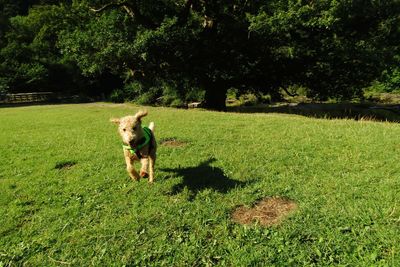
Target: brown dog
139,144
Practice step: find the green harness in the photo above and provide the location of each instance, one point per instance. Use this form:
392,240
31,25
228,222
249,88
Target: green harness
145,141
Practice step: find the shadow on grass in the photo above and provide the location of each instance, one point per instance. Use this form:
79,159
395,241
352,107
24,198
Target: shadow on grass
201,177
362,111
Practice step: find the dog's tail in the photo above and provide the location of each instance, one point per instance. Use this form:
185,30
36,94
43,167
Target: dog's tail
151,126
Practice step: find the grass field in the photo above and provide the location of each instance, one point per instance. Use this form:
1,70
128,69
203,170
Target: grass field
66,200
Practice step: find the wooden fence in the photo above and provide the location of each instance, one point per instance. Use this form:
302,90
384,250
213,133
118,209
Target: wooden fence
26,97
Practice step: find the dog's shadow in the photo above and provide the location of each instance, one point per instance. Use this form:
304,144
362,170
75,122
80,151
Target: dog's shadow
204,176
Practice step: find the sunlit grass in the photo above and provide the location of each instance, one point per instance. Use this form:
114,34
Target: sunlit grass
65,198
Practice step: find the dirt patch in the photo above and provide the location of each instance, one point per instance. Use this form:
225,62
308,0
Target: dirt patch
65,165
269,211
172,142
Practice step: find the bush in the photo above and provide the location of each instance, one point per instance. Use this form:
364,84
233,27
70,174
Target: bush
248,99
388,83
265,99
392,80
130,92
195,95
117,96
375,87
149,97
133,90
169,94
177,103
165,94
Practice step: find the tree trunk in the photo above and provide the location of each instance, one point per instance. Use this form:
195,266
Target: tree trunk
215,97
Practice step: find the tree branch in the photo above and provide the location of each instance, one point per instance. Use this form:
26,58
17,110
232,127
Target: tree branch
110,5
132,10
289,93
129,11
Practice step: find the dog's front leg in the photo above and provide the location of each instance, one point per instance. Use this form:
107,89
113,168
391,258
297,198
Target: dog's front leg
131,169
151,168
144,168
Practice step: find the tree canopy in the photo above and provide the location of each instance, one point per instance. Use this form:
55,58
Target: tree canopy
155,47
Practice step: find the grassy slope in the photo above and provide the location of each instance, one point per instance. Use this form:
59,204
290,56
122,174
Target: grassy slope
344,175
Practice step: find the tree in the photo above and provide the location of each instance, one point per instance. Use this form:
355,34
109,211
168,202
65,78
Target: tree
29,48
196,43
31,59
334,48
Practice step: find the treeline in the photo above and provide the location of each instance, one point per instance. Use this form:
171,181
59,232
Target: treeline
174,51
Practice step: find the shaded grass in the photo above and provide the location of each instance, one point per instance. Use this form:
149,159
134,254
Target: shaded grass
65,165
352,111
344,175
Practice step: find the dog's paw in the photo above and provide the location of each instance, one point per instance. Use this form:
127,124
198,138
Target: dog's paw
144,174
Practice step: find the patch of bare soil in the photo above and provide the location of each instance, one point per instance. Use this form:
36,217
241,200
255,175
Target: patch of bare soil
267,212
172,142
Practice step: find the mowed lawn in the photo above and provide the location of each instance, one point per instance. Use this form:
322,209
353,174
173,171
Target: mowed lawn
66,199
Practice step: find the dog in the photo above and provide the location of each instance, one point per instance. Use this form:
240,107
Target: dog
139,144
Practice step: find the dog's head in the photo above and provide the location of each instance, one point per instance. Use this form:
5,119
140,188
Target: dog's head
130,128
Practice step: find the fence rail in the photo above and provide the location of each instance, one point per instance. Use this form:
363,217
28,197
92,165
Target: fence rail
26,97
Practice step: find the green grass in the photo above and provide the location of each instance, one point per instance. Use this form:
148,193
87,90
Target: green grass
66,200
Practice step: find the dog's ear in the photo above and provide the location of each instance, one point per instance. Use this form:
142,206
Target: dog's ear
140,114
115,120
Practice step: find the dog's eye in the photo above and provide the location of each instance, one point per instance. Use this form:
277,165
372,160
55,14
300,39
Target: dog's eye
124,129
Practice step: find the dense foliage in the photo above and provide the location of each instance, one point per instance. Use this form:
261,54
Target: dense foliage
177,51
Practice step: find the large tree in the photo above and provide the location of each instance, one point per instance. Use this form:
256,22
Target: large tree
333,48
203,44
